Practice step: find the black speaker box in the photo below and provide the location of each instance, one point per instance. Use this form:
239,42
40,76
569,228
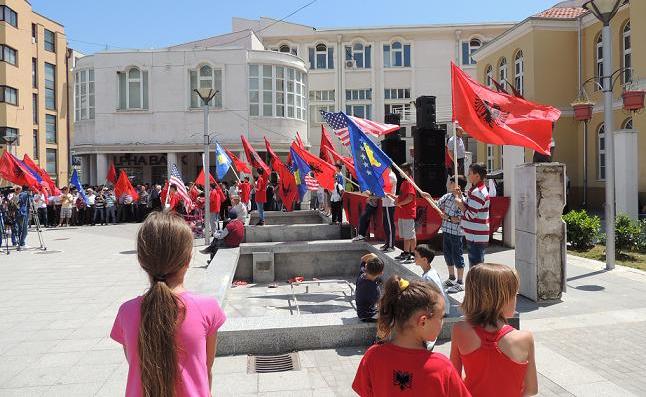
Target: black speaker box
395,148
431,178
392,118
430,146
426,112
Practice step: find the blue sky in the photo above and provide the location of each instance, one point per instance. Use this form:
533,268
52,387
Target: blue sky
154,24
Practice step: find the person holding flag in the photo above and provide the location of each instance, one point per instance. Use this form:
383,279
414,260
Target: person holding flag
222,162
245,193
261,194
406,213
336,198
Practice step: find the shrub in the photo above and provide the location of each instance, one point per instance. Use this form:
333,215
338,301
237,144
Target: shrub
626,233
582,229
641,239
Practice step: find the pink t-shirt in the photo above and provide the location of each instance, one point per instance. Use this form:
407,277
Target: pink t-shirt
203,318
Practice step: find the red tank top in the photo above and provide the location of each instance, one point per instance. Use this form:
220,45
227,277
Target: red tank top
489,372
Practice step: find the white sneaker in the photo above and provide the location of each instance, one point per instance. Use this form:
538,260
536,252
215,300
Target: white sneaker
455,289
359,238
449,282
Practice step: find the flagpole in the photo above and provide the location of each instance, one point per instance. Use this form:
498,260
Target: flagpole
405,176
455,151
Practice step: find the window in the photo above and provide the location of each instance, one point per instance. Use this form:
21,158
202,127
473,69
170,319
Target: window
599,60
287,49
519,72
84,95
321,57
361,111
133,89
468,49
358,95
627,124
322,95
321,100
34,72
489,76
34,107
6,131
50,128
626,53
50,41
8,54
50,161
35,144
363,108
405,110
397,93
50,86
34,33
489,158
206,77
601,152
360,54
315,112
8,95
396,55
502,72
277,91
8,15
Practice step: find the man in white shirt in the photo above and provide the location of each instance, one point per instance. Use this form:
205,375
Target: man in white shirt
388,204
239,208
336,197
450,146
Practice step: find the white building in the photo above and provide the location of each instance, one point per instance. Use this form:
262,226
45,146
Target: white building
136,108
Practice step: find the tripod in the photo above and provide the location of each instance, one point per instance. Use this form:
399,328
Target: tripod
34,215
3,232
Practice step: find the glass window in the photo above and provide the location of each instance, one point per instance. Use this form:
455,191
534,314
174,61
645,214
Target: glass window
206,77
502,72
397,55
35,153
8,95
627,124
404,110
519,72
468,49
50,128
397,93
8,131
8,54
601,152
34,72
490,165
321,56
489,76
84,94
133,89
50,41
276,91
315,112
8,15
50,86
34,107
626,47
34,32
50,161
599,59
361,111
360,54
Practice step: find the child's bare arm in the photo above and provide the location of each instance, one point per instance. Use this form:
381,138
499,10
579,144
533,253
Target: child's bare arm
530,387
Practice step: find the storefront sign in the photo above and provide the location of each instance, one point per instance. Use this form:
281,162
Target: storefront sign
134,160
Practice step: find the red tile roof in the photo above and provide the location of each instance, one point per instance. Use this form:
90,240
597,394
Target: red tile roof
562,13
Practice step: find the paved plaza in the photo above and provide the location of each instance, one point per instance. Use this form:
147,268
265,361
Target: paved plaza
57,309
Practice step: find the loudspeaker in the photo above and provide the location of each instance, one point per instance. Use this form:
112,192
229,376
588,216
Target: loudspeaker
430,146
431,178
426,112
395,148
392,118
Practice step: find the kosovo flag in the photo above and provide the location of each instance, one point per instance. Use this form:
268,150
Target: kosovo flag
369,161
77,183
300,168
222,161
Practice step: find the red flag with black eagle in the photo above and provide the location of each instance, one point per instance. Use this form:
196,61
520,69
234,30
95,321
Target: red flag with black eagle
498,118
252,156
14,172
287,189
323,172
112,174
240,165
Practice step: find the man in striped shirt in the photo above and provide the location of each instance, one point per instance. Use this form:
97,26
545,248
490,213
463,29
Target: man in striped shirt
475,213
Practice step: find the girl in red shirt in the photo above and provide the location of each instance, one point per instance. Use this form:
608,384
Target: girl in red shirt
497,359
403,366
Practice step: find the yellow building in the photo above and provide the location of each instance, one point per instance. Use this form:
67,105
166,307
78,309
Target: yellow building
34,102
547,57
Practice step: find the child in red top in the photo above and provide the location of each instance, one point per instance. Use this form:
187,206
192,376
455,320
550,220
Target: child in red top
261,194
497,359
403,366
406,213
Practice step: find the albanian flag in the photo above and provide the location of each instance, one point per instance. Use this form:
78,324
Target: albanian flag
323,172
499,118
200,178
287,189
112,174
253,157
240,165
123,186
14,172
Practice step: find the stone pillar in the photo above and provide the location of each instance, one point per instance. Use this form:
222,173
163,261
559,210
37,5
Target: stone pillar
513,157
172,158
101,168
626,173
540,232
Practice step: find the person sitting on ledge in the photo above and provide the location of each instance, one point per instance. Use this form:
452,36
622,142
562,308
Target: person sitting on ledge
367,292
229,237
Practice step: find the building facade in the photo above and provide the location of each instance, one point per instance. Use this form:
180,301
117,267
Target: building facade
548,57
34,101
137,109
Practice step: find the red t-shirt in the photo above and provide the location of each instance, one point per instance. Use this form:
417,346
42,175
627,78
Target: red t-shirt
409,210
389,370
261,189
216,197
245,192
236,233
173,201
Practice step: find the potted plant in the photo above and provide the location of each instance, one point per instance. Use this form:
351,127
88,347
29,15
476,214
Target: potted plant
582,108
632,96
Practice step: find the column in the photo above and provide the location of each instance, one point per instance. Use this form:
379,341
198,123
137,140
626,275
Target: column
171,158
513,156
626,173
101,168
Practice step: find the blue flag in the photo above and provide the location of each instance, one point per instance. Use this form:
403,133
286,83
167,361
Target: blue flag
222,161
300,169
75,181
369,161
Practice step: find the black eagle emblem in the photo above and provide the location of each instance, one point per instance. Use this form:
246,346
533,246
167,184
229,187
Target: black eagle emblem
490,113
402,379
315,169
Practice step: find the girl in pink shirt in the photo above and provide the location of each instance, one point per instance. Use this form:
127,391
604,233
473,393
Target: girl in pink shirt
168,334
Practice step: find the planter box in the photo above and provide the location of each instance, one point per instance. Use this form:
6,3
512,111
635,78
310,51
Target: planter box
633,100
583,111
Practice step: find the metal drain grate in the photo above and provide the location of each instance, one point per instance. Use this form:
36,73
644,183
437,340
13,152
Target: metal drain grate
279,363
47,252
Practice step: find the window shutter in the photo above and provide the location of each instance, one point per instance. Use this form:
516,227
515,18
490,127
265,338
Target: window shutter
311,53
122,90
367,57
465,53
386,55
145,89
330,57
407,55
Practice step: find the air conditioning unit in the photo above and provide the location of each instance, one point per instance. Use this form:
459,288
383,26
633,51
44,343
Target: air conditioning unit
351,64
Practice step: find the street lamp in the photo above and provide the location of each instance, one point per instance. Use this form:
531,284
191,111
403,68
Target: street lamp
605,10
10,137
206,94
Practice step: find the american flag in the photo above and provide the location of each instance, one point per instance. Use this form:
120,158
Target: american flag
176,179
340,127
311,182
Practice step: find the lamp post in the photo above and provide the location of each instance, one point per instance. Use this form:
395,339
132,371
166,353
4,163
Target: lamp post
10,138
605,10
206,94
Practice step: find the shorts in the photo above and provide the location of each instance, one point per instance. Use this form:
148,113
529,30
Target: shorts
406,229
66,213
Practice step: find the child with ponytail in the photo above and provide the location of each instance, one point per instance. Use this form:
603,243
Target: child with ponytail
410,313
168,334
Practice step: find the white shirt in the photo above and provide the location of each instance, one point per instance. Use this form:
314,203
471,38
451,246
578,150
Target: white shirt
432,276
39,200
233,191
241,211
387,201
90,199
491,186
451,146
335,196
